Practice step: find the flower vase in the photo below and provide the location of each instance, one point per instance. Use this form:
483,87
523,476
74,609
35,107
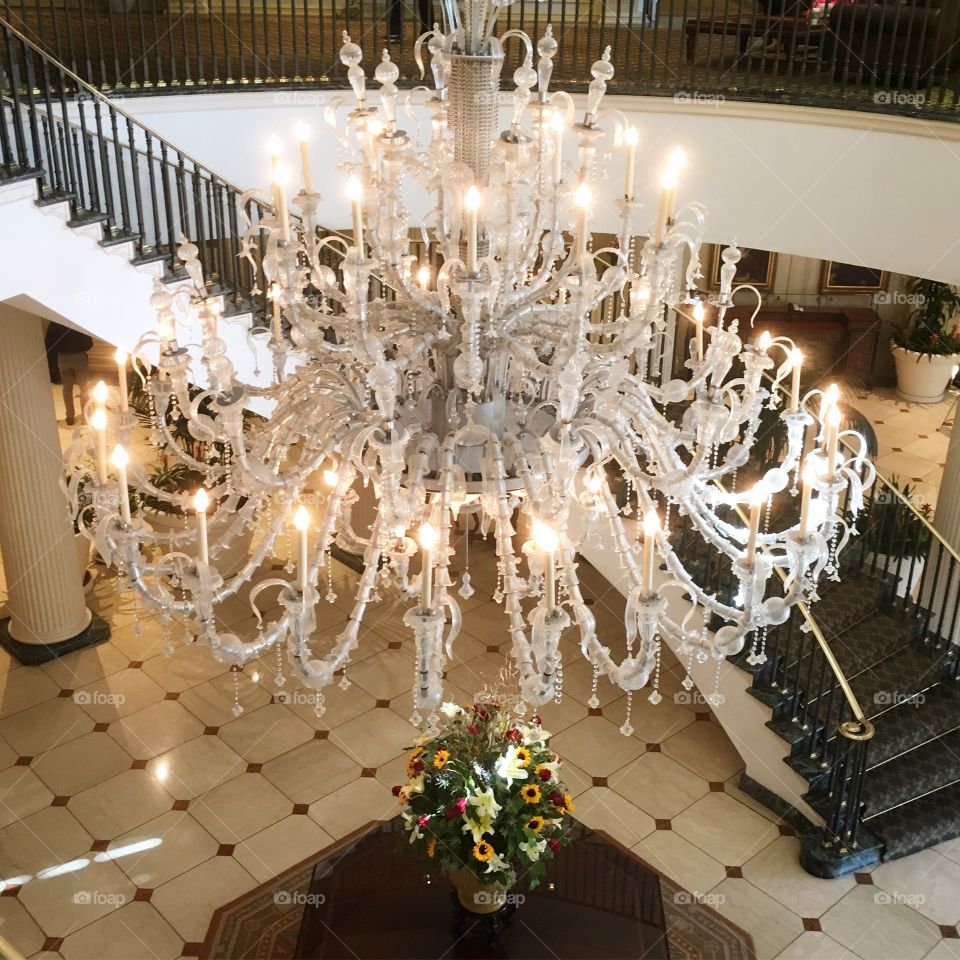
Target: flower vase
474,895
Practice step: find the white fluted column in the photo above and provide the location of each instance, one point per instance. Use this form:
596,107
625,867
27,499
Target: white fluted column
45,591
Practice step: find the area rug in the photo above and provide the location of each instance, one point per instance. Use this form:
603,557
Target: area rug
264,924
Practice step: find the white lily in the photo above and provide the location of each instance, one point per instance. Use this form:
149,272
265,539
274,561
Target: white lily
484,805
451,710
477,827
411,819
533,848
508,769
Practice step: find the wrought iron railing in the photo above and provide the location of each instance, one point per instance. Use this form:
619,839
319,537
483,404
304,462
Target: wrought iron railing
871,55
85,149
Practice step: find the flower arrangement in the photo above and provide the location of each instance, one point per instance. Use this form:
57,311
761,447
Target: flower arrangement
483,794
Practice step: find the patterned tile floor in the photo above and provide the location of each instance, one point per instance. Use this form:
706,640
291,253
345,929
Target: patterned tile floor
133,801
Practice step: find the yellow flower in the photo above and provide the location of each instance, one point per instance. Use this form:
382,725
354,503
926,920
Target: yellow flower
431,847
523,757
535,824
411,760
440,758
568,802
402,796
531,793
482,851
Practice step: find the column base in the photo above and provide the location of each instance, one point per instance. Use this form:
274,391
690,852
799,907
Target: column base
33,654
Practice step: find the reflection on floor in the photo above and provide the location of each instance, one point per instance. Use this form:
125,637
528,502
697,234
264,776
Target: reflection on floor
134,801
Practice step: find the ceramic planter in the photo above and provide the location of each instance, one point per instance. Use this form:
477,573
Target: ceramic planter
923,377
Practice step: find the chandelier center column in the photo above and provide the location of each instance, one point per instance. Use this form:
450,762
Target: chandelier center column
46,604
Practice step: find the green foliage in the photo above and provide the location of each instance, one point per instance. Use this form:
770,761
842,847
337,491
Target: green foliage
890,528
929,326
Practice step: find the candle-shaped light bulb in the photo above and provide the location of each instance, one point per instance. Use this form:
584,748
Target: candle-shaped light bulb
301,520
809,477
428,537
331,478
471,204
557,126
281,179
274,149
121,357
833,438
631,138
200,503
698,315
651,527
764,341
100,393
273,295
355,196
796,363
119,458
757,496
677,159
583,201
302,134
829,399
593,483
668,184
547,542
423,277
99,423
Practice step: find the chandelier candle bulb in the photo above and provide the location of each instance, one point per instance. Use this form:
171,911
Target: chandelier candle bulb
668,183
583,199
796,363
631,137
833,438
428,542
556,126
698,312
121,357
651,527
757,496
276,325
200,503
809,475
423,277
100,393
274,148
302,132
99,423
355,196
281,177
119,458
828,399
547,541
471,203
301,520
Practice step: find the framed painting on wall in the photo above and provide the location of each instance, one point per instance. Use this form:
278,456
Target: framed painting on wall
848,278
756,267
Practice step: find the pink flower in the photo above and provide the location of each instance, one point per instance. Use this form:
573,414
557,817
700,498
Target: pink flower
462,804
513,734
554,844
423,819
474,729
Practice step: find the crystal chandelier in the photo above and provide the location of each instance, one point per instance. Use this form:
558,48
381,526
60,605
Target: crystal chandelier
502,387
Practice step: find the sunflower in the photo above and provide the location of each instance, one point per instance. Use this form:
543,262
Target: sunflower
482,851
535,824
531,793
412,761
568,803
440,758
522,757
431,847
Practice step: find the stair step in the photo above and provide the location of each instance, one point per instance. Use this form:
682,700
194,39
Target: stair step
895,679
844,604
927,768
912,722
922,823
14,174
116,236
83,218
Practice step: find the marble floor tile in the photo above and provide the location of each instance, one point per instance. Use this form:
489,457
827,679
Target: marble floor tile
776,870
155,729
725,829
374,737
658,785
75,670
18,928
118,695
30,732
212,701
21,689
353,806
652,723
668,853
704,748
602,809
188,901
597,746
266,733
183,844
81,763
815,945
945,950
136,930
311,771
280,846
240,807
42,840
196,766
870,923
931,883
119,804
186,667
22,792
772,926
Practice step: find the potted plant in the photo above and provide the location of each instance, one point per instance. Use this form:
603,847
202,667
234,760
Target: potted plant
483,800
926,350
